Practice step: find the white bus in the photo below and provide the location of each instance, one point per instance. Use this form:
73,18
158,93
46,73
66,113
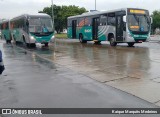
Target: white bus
31,29
127,25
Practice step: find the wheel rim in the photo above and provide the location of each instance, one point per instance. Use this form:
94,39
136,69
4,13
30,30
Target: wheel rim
131,44
98,42
112,41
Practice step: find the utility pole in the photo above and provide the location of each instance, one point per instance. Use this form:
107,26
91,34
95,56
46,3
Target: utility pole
95,5
52,14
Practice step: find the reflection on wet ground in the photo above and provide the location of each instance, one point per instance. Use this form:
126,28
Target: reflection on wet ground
134,70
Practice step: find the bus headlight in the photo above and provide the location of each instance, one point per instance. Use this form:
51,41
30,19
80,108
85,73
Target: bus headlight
53,38
32,38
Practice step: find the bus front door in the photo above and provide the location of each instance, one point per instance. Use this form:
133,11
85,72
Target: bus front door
119,28
74,25
95,28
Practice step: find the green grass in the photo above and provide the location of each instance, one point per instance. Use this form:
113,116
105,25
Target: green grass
61,36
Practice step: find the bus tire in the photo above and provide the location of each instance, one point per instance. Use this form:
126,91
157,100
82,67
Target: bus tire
33,45
112,41
131,44
28,45
46,44
9,41
81,39
97,42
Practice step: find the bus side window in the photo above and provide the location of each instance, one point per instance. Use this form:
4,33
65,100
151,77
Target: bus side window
69,23
81,22
103,20
98,21
111,19
88,21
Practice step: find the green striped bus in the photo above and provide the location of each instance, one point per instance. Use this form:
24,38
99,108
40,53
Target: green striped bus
128,25
31,29
5,31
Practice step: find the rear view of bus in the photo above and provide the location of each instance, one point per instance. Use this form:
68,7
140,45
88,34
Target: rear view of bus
32,29
5,31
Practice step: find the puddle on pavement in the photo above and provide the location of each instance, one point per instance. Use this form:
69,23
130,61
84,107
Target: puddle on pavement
128,69
46,63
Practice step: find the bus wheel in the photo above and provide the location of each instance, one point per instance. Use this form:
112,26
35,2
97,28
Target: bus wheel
112,42
46,44
81,39
28,45
8,41
130,44
97,42
33,45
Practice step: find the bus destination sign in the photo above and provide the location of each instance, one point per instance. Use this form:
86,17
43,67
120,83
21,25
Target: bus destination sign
137,11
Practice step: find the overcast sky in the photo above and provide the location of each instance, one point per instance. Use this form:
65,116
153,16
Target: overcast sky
12,8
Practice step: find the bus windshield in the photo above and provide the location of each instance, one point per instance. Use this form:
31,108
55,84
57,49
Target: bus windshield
139,23
40,25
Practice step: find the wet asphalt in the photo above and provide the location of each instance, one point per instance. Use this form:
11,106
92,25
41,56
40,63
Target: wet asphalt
134,70
71,75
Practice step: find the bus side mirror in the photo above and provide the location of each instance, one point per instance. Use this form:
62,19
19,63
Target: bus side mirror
151,20
124,18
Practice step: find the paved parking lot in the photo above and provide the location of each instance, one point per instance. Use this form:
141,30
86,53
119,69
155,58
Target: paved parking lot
32,81
134,70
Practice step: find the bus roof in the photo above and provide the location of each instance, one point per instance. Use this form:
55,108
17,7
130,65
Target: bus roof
31,15
38,14
101,12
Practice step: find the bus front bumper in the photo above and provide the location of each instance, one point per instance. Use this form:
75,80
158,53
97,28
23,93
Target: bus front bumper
44,40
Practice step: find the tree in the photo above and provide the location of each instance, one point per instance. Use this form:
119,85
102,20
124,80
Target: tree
61,13
156,19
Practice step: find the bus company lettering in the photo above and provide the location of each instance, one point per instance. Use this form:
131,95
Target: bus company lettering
87,30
